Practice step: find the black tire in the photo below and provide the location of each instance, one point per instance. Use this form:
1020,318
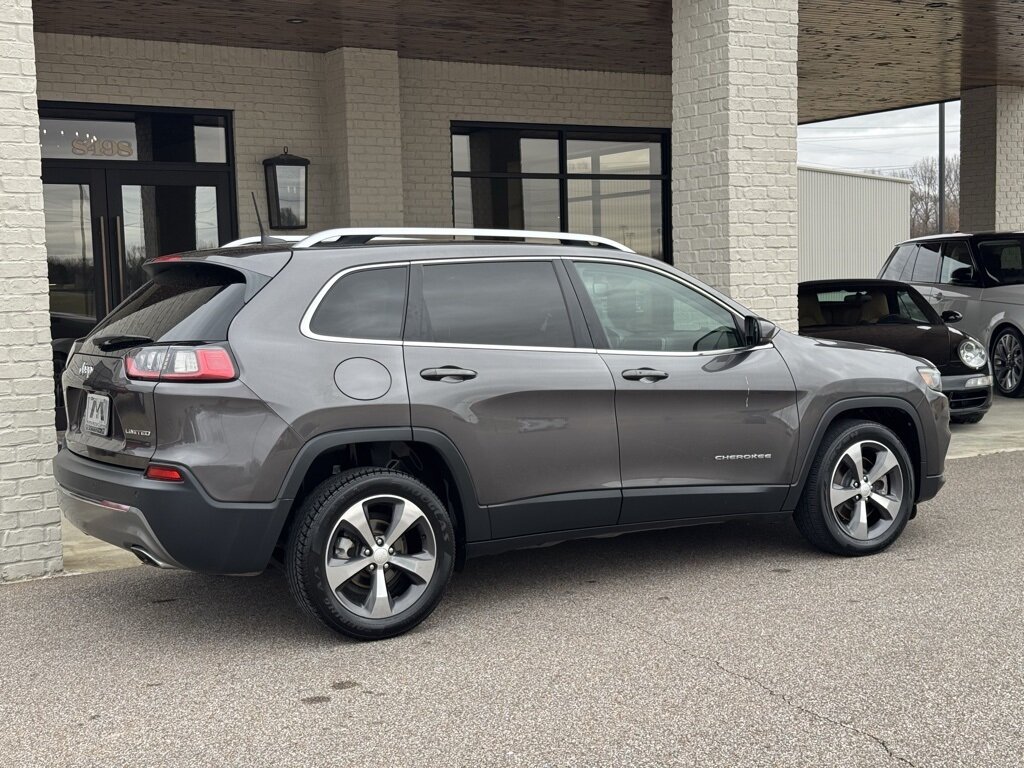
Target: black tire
318,525
971,418
814,516
1014,338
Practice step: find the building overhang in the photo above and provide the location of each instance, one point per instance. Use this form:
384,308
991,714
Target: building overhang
854,57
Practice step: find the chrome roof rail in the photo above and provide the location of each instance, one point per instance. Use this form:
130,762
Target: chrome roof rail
257,239
360,236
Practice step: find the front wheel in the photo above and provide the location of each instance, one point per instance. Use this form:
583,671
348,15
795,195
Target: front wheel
860,491
370,553
1008,362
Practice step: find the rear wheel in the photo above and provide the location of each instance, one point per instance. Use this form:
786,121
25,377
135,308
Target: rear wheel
370,553
860,491
1008,362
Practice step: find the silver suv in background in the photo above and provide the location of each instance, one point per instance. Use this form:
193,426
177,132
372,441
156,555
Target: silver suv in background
976,281
375,408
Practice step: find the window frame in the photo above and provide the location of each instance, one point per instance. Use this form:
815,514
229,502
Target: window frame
597,329
923,246
586,326
563,135
948,245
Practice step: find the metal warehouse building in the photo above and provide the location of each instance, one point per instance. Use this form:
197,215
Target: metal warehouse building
130,128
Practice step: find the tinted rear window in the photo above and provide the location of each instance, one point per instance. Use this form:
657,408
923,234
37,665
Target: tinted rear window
193,302
516,303
898,262
368,304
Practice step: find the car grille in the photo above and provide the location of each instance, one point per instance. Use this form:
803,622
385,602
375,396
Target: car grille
968,398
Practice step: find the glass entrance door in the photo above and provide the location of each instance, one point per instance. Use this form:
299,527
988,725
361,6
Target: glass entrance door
156,213
103,224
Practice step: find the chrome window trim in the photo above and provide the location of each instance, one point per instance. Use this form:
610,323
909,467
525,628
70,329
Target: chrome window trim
315,303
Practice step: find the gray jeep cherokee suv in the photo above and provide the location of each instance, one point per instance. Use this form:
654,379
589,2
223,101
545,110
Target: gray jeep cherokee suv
375,411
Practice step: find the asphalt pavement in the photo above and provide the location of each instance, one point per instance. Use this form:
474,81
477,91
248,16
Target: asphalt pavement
729,645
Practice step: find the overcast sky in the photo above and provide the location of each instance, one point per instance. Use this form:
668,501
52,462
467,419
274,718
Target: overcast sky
888,141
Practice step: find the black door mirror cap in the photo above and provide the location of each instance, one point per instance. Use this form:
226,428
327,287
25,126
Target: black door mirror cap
757,330
952,316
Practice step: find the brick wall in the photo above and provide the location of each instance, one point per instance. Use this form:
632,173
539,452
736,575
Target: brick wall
434,93
276,96
29,517
992,161
734,181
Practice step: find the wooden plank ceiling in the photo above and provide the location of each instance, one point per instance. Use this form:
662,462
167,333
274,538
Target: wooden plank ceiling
855,56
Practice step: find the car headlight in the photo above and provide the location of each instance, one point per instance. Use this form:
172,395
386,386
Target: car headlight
931,377
972,354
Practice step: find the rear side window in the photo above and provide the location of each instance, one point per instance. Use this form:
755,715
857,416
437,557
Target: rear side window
898,262
187,302
926,268
367,304
515,303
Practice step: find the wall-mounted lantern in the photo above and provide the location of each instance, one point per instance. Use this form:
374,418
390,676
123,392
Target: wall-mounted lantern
287,188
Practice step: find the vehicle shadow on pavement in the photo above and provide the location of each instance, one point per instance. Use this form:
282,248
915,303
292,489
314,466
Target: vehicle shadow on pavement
211,610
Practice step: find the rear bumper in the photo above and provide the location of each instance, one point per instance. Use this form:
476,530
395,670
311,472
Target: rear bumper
176,524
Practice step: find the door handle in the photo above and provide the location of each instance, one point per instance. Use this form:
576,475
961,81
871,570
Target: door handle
938,295
448,374
648,375
122,267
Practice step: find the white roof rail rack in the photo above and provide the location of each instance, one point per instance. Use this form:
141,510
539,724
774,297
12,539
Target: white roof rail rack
359,235
257,239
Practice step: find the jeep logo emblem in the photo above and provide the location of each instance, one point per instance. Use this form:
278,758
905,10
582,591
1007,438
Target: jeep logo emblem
85,369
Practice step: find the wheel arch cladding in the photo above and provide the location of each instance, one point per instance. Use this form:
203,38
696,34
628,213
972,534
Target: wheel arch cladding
426,455
894,413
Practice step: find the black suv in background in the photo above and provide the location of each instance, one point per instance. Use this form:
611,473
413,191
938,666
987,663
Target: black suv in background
376,407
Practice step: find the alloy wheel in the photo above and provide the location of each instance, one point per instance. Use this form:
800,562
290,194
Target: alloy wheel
1008,361
380,557
866,490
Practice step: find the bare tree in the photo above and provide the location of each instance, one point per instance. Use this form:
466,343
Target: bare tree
924,195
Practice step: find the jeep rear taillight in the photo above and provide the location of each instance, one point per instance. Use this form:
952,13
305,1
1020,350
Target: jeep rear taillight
207,363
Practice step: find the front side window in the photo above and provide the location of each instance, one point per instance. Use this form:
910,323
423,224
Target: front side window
514,303
367,304
957,267
1003,260
644,311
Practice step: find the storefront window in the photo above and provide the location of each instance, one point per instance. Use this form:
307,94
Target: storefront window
606,183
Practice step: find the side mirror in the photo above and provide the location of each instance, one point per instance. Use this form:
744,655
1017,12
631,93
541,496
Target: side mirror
753,334
962,276
952,316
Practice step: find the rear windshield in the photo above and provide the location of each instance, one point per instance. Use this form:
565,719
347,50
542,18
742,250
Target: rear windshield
1003,260
188,302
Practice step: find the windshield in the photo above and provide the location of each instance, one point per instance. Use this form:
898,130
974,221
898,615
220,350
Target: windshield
867,305
1002,260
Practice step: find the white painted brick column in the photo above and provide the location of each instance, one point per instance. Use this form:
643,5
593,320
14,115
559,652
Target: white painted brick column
992,159
364,136
734,177
29,516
